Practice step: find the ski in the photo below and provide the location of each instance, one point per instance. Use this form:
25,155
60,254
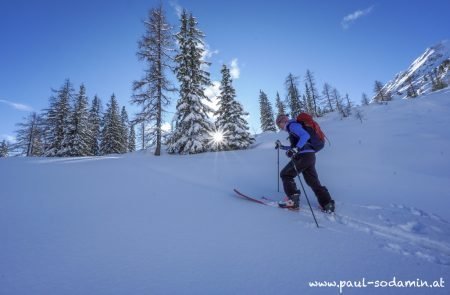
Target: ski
262,201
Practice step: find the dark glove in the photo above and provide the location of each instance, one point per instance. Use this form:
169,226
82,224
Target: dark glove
278,144
291,153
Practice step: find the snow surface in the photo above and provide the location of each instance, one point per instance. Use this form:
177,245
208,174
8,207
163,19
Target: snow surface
139,224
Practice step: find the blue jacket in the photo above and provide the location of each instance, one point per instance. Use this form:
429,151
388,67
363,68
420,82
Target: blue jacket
298,137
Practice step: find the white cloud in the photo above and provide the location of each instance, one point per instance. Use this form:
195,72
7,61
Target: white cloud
207,52
352,17
234,70
17,106
177,7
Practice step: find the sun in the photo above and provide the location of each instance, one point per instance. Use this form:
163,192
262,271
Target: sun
217,138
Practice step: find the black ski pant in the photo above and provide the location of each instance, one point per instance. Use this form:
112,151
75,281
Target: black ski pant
305,164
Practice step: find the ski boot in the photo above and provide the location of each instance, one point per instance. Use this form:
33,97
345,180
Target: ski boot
291,202
328,208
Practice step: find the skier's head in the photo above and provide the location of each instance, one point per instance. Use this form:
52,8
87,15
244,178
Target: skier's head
282,120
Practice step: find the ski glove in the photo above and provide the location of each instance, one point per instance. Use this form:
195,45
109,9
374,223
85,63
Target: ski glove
291,153
278,144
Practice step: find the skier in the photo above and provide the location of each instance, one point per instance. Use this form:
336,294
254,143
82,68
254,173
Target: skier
302,153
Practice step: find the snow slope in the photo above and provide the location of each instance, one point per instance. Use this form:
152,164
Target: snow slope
424,65
139,224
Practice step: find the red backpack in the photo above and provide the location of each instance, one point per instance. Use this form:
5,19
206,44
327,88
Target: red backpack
317,140
307,120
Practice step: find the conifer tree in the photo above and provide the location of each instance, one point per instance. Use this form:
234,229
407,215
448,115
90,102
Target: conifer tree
95,122
267,120
132,140
338,102
293,94
381,94
57,121
231,117
308,98
364,99
125,129
4,149
151,92
348,106
29,136
112,141
193,126
313,100
80,132
281,108
411,91
326,92
437,82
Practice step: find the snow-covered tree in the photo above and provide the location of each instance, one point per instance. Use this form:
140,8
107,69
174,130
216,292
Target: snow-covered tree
364,99
151,92
231,121
95,122
132,140
348,106
328,101
4,149
338,102
57,121
281,108
380,93
266,112
29,136
437,82
112,141
79,138
313,100
293,94
125,129
193,126
309,100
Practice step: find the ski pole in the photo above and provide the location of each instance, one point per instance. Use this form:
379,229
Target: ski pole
278,171
303,188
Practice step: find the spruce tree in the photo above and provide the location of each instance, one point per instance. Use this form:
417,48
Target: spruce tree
112,141
29,136
267,120
95,122
293,94
313,100
80,132
193,126
57,121
132,140
4,149
326,92
125,129
308,98
151,92
231,117
281,108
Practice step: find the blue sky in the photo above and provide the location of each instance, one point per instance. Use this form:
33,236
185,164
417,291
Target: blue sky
347,43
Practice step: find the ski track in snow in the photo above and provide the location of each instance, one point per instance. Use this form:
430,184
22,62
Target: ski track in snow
400,229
